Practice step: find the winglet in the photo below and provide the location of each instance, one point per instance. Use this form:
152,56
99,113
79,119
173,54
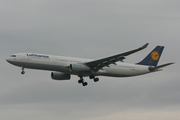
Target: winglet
144,46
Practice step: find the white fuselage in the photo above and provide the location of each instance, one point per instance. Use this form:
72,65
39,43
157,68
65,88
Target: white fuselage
61,64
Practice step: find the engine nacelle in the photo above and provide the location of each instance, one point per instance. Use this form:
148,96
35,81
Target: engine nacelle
79,68
60,76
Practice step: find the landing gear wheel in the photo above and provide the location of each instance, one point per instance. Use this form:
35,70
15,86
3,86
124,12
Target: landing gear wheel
84,83
23,72
96,79
80,81
91,76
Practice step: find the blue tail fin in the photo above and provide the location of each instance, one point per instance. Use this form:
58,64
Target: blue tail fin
153,58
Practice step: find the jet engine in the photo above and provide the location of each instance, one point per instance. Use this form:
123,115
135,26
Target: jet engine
60,76
79,68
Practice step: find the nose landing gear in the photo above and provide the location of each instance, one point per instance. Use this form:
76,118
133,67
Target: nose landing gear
22,72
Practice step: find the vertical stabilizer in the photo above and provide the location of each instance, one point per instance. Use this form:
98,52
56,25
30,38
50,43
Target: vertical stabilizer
153,57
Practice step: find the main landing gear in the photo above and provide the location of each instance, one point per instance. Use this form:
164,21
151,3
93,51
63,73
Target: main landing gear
22,72
85,83
93,77
82,81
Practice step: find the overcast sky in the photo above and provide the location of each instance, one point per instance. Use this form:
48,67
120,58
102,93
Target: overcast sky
89,29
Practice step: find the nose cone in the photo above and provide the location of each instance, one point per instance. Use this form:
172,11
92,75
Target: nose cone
11,59
8,59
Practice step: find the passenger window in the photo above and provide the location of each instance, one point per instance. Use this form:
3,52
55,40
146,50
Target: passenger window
13,56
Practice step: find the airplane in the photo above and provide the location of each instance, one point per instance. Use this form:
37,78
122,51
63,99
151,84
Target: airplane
113,66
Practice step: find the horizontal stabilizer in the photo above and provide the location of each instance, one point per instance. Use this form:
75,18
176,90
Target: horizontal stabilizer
158,67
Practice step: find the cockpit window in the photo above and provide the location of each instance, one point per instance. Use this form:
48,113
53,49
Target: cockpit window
13,56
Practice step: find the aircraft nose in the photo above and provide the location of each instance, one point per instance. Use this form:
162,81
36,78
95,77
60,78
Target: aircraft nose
8,59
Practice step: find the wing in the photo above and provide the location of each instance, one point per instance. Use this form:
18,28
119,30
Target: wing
99,64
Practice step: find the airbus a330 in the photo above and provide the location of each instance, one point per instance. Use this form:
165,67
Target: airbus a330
63,67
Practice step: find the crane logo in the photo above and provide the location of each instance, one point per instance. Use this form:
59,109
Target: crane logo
155,55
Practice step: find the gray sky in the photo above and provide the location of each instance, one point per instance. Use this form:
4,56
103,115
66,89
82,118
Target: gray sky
89,29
